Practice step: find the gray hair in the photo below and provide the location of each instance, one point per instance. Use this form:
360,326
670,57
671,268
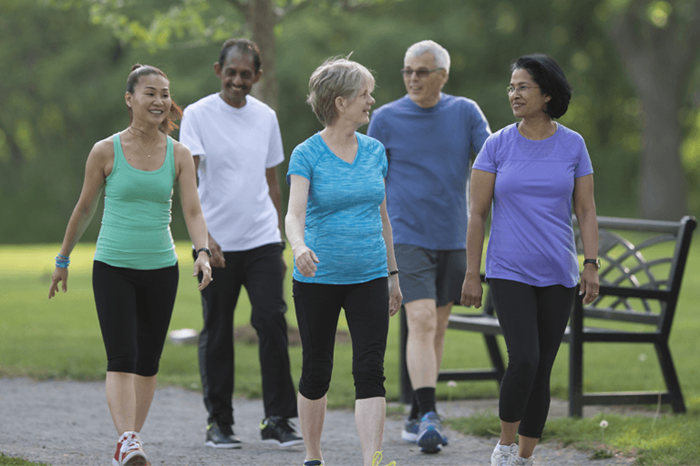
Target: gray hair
442,57
336,77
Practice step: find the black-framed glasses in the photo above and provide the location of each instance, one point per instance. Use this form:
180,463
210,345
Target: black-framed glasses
520,89
421,73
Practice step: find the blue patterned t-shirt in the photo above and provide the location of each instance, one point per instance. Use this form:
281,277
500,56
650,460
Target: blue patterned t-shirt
343,222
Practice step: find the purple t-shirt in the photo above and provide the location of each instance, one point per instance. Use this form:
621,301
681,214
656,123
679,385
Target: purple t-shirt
532,236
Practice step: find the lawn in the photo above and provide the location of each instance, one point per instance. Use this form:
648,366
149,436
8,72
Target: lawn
60,338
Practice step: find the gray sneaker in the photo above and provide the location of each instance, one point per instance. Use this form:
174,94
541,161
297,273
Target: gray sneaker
504,456
410,431
221,436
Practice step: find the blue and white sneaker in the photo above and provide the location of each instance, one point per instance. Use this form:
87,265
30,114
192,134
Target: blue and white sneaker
410,431
429,433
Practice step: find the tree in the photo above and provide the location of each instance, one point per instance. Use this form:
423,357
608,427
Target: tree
658,44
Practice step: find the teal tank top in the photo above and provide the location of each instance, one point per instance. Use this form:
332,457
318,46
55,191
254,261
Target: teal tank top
135,230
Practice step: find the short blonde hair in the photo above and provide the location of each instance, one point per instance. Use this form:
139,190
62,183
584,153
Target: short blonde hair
336,77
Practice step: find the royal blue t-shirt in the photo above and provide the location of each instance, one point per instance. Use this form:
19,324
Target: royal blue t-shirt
343,221
429,150
532,236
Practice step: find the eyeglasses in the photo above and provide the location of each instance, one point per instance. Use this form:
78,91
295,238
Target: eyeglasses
422,73
520,89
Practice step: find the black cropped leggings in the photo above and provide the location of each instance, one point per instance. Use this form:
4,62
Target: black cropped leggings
533,320
367,313
134,309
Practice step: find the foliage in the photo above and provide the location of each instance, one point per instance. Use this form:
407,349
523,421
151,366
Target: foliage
62,88
12,461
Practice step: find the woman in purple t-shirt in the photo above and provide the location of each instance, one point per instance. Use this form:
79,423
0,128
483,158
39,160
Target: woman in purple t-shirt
530,172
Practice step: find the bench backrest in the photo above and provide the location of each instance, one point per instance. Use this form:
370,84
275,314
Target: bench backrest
635,255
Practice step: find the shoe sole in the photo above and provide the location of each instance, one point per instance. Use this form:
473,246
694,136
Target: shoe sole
410,437
136,461
430,442
227,446
291,443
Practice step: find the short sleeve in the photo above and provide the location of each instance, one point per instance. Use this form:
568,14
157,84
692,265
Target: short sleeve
189,133
299,163
374,130
275,153
485,161
584,166
480,130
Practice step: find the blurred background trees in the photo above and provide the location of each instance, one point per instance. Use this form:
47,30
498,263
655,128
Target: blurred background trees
634,66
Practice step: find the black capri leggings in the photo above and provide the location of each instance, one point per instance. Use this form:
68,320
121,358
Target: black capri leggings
134,309
533,320
367,313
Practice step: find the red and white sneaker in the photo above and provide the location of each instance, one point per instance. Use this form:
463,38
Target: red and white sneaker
129,451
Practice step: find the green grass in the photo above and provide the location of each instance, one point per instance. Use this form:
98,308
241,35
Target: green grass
11,461
61,339
665,440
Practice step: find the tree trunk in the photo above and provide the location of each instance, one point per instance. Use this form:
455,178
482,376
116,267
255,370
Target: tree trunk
660,62
262,22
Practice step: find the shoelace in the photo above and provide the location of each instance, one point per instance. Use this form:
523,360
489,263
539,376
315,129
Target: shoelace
132,443
377,458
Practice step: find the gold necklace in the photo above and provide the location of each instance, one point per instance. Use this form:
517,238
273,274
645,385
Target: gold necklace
147,152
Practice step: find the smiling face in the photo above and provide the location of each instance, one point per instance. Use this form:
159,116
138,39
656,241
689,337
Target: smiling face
237,77
424,92
528,100
150,103
357,110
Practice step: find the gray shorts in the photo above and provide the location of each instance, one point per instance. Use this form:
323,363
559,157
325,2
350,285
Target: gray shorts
431,274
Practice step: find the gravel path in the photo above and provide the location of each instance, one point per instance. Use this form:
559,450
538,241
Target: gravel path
68,423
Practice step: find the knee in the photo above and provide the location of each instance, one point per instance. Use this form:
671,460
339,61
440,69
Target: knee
523,363
422,321
314,384
369,382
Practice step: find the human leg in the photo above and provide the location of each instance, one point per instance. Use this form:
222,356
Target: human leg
369,419
263,281
216,353
554,307
317,309
367,314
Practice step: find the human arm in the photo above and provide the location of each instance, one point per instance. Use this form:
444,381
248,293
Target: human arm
584,208
295,221
97,168
480,196
217,255
276,196
395,295
192,211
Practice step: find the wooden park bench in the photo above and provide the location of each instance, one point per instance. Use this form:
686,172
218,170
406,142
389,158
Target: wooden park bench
640,284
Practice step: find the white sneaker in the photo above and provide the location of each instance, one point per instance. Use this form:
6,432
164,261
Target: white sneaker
519,461
131,453
504,455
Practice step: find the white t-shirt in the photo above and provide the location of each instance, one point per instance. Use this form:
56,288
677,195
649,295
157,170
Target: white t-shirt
236,146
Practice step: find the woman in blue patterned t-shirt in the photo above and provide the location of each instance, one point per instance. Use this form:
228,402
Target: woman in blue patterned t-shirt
340,233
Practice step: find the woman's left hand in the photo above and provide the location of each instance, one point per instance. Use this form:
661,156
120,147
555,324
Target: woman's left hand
589,284
202,265
395,296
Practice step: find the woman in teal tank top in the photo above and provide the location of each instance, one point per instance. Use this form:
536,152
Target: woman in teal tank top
135,271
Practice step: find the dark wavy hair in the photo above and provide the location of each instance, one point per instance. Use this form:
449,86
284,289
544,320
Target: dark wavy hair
547,73
137,72
241,46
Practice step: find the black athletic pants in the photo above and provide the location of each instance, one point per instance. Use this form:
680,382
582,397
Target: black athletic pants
533,320
134,309
260,271
367,313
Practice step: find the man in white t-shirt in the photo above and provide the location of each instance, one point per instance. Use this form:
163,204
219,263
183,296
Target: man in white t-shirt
236,143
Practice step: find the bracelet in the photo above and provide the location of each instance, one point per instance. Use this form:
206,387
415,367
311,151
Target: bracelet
393,272
62,262
62,256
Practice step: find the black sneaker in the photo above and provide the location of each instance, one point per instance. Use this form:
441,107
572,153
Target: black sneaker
278,430
221,436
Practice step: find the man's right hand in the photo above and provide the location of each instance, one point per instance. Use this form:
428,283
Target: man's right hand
217,255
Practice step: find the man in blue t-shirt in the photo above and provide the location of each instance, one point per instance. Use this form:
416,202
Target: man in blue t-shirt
429,138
